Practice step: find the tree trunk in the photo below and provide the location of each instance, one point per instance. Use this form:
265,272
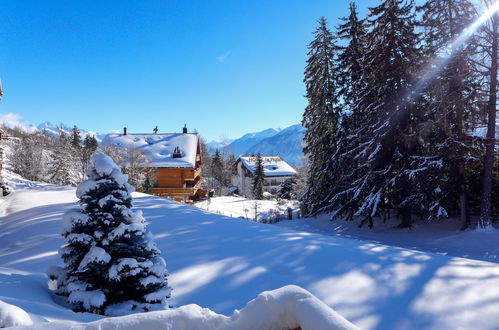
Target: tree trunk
486,205
405,218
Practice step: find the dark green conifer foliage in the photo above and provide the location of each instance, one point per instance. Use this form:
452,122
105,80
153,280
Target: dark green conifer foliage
321,116
450,104
75,138
385,141
111,263
258,178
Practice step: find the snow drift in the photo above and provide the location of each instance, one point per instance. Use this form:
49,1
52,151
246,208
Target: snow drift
289,307
13,316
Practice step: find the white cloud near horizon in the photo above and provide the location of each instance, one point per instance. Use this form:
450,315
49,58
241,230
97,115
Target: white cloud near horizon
13,120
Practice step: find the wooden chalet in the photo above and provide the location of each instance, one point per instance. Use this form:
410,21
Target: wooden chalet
175,160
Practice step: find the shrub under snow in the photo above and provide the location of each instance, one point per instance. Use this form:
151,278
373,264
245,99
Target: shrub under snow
111,263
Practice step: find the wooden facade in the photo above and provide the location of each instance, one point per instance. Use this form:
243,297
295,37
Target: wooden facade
180,184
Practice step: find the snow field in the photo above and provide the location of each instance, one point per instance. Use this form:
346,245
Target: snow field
289,307
222,263
240,207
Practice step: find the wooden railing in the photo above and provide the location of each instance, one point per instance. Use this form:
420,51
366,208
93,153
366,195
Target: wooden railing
193,174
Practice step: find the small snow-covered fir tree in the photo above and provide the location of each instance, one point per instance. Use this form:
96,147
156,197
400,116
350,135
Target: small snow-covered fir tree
111,263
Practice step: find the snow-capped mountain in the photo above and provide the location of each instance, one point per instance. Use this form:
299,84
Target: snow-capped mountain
214,145
243,144
55,129
286,144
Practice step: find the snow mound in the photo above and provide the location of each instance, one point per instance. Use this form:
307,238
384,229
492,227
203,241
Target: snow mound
13,316
289,307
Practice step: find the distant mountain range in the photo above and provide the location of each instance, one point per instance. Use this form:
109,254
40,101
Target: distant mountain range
55,130
214,145
285,143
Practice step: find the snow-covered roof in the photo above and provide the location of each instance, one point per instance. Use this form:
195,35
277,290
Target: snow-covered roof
272,165
159,148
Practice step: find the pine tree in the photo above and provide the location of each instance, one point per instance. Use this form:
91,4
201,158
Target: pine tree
89,146
349,62
90,143
488,66
207,176
217,171
350,71
62,162
385,141
286,189
258,178
229,162
111,264
321,116
450,102
75,138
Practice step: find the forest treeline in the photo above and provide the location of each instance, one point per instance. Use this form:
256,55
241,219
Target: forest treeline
401,113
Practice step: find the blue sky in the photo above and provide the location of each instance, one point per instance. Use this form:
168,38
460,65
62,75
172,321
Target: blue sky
223,67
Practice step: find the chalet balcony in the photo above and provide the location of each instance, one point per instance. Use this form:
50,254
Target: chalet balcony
188,191
193,174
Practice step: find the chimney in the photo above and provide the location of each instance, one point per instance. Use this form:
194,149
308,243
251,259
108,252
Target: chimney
184,130
124,130
177,153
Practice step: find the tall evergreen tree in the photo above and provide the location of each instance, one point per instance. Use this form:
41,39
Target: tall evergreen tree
111,263
75,138
62,161
385,139
321,116
258,178
450,100
352,32
217,166
207,176
489,44
349,62
90,142
89,146
286,188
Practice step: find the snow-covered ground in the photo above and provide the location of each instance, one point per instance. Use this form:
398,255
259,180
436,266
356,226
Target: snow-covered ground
244,208
221,263
441,237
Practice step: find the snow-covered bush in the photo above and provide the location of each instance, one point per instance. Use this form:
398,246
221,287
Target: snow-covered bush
111,263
